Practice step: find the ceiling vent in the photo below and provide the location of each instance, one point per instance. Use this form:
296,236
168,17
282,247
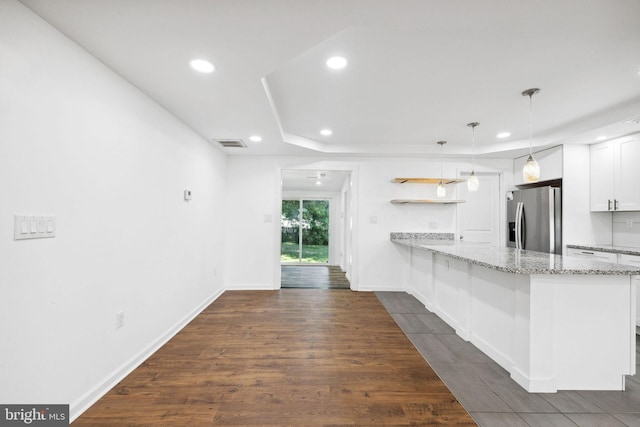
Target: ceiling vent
632,120
231,143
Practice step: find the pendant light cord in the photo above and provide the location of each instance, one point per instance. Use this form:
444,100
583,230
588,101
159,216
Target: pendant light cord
473,148
441,163
530,93
530,122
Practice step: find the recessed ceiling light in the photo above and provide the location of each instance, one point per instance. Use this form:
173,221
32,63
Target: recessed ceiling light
337,62
318,183
255,138
503,135
326,132
601,137
202,65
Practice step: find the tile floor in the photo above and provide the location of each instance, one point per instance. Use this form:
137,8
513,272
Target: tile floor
489,394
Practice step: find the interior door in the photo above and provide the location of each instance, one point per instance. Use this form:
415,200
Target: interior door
479,216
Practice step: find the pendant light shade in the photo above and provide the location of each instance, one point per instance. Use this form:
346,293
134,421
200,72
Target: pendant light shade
441,191
472,183
531,169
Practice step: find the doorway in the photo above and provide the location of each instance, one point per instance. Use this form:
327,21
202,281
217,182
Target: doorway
315,241
304,231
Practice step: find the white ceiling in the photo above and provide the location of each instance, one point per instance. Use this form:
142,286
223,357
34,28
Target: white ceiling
418,72
319,181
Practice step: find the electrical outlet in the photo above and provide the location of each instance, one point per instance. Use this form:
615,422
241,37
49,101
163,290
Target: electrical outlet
629,223
120,319
433,225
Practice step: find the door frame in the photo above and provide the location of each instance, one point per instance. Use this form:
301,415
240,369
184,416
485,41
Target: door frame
349,232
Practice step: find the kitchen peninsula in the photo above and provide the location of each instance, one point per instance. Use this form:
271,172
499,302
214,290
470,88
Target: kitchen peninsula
554,322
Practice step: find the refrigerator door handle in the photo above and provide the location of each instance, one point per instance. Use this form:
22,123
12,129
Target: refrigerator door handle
519,225
552,224
523,227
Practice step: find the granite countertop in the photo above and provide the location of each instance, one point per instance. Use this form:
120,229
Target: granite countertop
509,260
626,250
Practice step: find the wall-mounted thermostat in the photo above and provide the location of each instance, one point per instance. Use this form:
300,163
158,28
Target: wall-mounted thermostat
187,194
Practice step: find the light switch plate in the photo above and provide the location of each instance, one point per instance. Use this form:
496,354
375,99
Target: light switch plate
28,227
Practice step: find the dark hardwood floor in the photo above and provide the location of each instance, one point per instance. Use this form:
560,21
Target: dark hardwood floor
313,276
298,357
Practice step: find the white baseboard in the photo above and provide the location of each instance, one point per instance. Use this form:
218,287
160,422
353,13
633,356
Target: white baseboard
79,406
534,385
499,357
420,297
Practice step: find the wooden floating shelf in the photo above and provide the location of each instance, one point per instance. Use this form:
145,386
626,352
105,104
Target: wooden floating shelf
425,201
427,180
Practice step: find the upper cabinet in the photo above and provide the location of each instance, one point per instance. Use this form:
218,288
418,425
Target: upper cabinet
550,161
615,175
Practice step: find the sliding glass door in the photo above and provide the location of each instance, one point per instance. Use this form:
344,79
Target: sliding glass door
305,231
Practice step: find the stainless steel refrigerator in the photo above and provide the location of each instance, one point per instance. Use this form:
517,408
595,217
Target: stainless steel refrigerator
534,219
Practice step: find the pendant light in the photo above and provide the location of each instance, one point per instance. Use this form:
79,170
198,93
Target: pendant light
441,191
531,169
472,182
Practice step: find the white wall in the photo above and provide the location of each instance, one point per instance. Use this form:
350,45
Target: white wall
253,191
78,142
579,224
626,229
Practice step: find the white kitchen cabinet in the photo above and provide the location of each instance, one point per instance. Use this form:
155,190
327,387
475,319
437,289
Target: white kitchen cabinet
615,175
635,261
597,255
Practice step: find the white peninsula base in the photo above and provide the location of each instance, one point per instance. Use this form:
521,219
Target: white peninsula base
550,331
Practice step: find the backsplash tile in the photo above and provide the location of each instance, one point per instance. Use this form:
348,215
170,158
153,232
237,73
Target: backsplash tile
626,229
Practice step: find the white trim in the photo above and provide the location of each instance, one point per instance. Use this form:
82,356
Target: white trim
418,295
82,404
350,242
498,356
534,385
277,207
